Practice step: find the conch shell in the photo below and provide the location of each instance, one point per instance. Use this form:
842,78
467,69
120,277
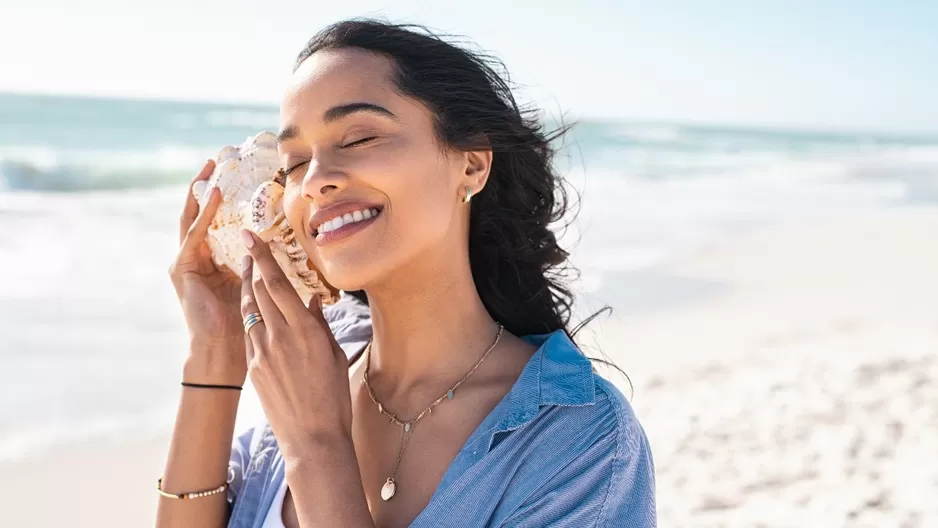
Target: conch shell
252,198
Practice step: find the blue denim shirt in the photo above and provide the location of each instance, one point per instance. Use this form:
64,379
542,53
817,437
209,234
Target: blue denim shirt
562,448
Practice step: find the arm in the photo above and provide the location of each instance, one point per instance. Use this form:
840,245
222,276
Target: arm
300,372
199,453
326,484
201,440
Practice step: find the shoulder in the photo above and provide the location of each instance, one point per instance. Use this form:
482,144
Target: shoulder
626,429
588,464
631,487
586,441
633,468
608,426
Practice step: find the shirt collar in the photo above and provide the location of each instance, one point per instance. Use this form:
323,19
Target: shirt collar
557,374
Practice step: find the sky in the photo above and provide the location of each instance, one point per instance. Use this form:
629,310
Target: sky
820,64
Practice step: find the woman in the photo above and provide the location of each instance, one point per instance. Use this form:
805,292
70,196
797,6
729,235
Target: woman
413,176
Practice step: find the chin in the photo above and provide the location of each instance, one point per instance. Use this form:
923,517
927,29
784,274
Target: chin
353,265
350,274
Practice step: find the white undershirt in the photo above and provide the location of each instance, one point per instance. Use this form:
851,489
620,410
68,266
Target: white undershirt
274,517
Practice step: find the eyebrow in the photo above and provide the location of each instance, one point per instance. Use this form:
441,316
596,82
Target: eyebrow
338,112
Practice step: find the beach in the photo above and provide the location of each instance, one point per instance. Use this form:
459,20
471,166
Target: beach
798,388
774,296
806,392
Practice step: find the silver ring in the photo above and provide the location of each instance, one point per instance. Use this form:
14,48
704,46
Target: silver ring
251,319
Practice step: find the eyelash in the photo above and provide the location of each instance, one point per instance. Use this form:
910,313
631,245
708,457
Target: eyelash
287,172
359,142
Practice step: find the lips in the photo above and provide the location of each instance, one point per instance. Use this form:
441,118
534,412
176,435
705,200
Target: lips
341,220
358,215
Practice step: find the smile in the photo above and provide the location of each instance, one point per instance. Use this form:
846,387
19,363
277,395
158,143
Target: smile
348,218
332,227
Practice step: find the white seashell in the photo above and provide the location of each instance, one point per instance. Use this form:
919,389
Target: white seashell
252,199
389,489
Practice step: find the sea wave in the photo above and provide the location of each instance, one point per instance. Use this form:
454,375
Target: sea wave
45,168
23,176
39,168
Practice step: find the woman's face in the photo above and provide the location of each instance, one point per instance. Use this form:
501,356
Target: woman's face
369,189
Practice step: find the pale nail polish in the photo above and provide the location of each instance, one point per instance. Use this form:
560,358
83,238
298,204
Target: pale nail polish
248,238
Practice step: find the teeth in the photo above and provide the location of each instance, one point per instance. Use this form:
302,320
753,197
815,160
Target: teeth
347,218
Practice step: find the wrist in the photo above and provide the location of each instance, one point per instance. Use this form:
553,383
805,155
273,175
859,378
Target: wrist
213,368
315,449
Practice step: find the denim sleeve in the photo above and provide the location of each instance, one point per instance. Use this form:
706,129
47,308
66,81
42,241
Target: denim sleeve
241,448
610,483
630,500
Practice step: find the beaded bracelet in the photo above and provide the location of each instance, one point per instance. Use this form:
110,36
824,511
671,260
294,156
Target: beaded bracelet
190,495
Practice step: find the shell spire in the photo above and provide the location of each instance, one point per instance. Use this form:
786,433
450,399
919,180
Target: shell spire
252,186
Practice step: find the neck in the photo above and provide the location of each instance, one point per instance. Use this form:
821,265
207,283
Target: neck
430,326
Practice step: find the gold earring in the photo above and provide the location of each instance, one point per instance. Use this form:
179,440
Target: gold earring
468,195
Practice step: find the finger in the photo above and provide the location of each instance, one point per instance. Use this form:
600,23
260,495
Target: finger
198,231
191,210
257,333
276,283
314,307
269,309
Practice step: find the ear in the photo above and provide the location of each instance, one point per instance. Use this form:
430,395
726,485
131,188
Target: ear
478,167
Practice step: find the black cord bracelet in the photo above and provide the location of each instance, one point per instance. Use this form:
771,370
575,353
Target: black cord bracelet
208,386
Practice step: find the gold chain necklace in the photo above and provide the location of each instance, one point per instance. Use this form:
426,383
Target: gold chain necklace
390,486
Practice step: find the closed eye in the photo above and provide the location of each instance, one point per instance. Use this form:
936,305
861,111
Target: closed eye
359,142
355,143
289,171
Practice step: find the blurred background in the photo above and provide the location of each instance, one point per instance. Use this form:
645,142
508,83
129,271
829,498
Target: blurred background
759,207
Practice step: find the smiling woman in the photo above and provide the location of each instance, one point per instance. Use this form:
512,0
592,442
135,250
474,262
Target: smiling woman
411,174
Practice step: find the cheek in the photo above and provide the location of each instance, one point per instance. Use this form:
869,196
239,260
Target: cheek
296,210
421,199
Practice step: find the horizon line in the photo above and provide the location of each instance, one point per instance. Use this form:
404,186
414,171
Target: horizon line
741,126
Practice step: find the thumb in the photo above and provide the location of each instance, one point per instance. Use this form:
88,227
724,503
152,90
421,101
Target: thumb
315,308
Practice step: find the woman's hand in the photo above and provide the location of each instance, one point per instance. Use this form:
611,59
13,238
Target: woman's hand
299,370
209,297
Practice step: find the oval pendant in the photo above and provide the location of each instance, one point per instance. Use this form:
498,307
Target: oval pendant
387,491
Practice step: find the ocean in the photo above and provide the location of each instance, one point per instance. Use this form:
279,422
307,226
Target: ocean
91,189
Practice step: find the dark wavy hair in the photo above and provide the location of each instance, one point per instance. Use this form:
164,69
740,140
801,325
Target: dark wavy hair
517,264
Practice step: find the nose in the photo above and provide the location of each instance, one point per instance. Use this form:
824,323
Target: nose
322,179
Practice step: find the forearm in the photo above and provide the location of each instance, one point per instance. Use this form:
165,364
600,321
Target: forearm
199,452
326,484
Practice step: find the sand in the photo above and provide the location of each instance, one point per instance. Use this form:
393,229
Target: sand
105,484
801,389
785,377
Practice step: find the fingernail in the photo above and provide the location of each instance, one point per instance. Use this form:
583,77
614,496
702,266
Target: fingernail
248,238
246,262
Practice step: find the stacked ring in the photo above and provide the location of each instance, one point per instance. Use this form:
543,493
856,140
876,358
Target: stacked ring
251,319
